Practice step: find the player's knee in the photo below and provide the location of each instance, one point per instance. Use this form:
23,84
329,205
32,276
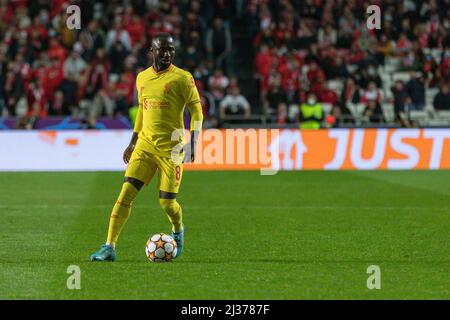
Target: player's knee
170,206
127,195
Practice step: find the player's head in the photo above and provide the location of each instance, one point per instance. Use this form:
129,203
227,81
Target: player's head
312,99
163,50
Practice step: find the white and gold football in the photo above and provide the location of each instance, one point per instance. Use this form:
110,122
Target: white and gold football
161,248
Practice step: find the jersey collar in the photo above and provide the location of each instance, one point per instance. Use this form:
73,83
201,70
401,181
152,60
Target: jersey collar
163,71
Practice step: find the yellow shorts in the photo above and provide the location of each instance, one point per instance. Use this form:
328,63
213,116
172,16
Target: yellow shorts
143,166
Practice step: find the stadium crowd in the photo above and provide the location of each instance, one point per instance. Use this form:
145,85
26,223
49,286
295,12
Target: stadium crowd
322,52
49,70
314,55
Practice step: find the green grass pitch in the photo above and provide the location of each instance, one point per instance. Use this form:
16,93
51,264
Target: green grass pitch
295,235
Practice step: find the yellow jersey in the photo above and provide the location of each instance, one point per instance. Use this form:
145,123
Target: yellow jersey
162,98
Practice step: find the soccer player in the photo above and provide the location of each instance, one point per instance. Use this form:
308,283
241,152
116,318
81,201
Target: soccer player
157,142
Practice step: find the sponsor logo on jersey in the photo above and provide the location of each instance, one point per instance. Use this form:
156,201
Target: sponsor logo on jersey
155,104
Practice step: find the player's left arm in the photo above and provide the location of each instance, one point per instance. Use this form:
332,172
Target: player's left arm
195,109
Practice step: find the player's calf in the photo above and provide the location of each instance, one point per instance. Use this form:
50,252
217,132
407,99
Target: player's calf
175,215
174,212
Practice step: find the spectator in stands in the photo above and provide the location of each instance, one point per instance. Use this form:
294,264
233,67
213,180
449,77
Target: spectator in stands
311,113
12,89
305,42
338,70
289,69
282,116
73,68
193,21
37,104
118,34
58,106
326,95
56,50
416,92
91,39
384,49
74,65
217,84
276,102
404,46
117,54
366,75
121,94
97,91
135,27
234,104
309,10
442,99
374,112
39,67
315,76
60,26
192,57
263,64
218,43
400,100
305,37
327,37
52,78
201,75
372,93
350,94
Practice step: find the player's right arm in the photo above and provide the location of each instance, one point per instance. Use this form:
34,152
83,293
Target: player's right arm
137,125
195,109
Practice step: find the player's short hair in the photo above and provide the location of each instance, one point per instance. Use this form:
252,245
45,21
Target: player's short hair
162,35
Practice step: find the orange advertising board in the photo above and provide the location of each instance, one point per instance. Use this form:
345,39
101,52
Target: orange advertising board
332,149
268,150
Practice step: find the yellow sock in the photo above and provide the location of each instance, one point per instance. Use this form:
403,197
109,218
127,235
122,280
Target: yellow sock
174,213
121,212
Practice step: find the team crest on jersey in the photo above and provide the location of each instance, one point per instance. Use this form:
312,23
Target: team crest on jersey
167,87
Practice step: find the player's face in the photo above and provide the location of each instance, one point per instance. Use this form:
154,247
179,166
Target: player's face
163,52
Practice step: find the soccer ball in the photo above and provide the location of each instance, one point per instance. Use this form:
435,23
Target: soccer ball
161,248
